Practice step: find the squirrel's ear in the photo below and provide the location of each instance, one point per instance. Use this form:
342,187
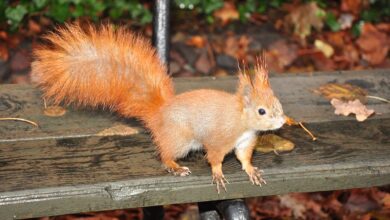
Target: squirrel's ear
245,86
261,72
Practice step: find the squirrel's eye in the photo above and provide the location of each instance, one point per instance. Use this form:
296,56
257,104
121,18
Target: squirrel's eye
261,111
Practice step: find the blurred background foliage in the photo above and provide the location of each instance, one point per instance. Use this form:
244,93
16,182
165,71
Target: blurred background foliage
14,14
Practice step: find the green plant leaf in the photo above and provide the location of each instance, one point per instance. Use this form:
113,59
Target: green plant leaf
262,7
15,15
78,11
2,10
209,6
332,22
371,15
243,12
40,3
115,13
276,3
76,2
357,28
59,11
147,17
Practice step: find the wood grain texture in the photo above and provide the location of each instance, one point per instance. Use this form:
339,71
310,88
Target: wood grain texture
294,91
65,167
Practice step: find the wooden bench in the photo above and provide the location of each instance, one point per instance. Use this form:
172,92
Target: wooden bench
73,164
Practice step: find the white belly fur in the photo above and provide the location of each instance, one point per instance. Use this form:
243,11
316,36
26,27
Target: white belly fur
245,140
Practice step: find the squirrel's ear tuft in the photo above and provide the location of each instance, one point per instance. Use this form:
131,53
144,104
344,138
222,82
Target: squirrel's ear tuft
261,72
245,86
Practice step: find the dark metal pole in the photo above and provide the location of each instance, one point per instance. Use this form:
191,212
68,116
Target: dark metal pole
153,213
230,209
161,29
161,42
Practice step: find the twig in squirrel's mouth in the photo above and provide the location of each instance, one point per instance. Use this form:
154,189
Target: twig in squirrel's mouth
307,130
290,121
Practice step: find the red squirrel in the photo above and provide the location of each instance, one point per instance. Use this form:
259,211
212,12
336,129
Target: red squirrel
116,69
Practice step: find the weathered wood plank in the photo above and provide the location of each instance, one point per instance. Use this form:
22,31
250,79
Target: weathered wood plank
294,91
64,167
50,177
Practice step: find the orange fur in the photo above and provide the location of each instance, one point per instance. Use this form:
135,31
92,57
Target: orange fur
107,67
118,70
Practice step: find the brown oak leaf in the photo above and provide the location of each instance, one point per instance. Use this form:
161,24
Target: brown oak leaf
354,6
344,91
227,13
54,111
271,143
197,41
4,53
283,53
373,44
355,107
304,17
237,47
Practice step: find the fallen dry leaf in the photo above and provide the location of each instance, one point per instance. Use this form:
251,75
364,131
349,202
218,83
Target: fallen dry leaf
54,111
285,52
346,21
13,41
227,13
355,107
304,17
3,35
301,203
386,201
237,48
373,44
273,143
322,62
296,206
178,37
354,6
346,92
338,39
360,202
34,27
324,47
273,63
385,27
203,63
3,51
197,41
220,72
21,60
350,54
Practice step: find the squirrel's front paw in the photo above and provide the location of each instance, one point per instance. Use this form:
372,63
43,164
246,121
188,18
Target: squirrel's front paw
220,180
255,176
180,171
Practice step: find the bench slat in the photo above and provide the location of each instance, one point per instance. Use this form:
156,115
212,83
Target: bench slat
64,167
294,90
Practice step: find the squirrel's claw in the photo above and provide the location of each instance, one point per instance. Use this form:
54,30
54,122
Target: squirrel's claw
220,180
180,171
255,176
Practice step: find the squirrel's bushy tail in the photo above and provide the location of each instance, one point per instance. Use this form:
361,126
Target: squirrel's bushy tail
103,66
